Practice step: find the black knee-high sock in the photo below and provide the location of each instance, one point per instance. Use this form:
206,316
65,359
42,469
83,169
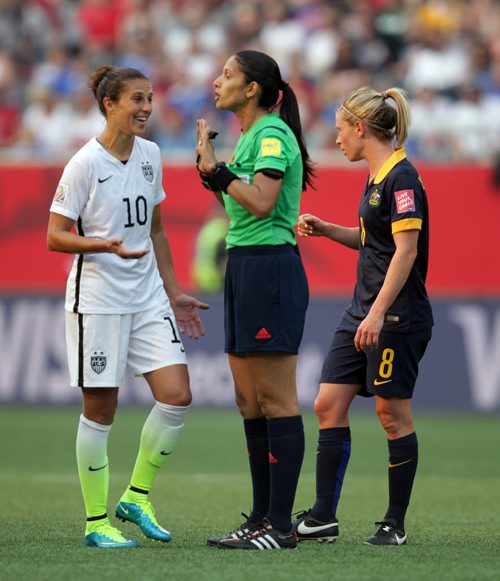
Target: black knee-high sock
286,452
403,460
258,455
332,457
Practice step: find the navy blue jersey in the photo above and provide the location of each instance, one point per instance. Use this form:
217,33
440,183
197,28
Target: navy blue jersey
393,202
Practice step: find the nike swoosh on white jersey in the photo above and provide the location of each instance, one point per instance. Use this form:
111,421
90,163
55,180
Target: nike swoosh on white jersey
303,529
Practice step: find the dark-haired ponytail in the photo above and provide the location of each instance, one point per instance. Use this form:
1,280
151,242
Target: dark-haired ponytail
264,70
289,112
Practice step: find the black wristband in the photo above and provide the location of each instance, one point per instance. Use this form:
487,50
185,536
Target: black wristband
206,180
221,176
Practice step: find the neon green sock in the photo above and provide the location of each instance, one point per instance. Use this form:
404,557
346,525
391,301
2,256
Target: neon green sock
93,467
159,438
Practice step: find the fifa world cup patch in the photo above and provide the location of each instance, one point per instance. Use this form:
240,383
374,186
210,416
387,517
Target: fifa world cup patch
270,146
405,201
60,195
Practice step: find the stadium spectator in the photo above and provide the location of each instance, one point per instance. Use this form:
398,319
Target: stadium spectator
429,137
45,125
472,118
87,119
266,291
436,58
417,44
123,302
245,25
10,109
281,35
384,332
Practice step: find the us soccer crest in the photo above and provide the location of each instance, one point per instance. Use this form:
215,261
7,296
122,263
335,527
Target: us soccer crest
98,361
147,171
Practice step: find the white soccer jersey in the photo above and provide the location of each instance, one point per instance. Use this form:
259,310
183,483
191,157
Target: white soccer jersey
110,199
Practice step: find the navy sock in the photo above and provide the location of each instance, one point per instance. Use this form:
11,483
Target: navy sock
332,457
403,460
286,452
258,456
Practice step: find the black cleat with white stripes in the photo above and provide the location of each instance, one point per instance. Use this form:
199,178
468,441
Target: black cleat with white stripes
264,539
243,530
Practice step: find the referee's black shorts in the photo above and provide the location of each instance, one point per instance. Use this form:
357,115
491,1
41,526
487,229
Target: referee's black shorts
265,300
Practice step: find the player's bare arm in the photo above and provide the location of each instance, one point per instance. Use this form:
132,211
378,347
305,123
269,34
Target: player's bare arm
310,225
184,306
367,336
62,238
258,198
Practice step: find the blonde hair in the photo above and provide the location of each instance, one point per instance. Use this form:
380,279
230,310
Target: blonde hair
385,120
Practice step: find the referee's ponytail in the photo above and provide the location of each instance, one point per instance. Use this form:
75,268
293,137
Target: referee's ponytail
264,70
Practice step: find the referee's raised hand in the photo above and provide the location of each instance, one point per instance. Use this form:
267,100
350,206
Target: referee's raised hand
205,153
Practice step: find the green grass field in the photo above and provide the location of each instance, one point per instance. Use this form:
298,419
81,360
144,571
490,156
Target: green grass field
453,523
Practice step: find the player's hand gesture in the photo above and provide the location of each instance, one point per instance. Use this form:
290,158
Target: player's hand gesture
205,154
188,318
309,225
116,247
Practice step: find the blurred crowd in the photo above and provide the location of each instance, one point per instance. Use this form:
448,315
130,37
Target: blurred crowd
445,53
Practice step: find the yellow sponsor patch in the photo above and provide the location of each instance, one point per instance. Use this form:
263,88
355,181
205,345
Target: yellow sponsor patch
270,146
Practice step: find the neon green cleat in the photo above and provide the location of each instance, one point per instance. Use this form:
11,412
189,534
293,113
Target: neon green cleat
143,515
105,536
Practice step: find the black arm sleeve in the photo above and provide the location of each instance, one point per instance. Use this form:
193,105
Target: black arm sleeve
274,174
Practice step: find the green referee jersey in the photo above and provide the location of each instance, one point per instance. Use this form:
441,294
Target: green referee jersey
268,144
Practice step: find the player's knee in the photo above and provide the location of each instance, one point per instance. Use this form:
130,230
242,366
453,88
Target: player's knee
389,422
101,415
247,408
276,407
182,398
178,396
325,410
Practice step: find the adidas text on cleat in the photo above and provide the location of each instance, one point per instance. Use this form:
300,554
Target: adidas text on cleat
386,534
310,529
264,539
246,528
105,536
143,516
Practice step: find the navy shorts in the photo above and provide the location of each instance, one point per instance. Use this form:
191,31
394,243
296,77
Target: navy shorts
265,300
389,371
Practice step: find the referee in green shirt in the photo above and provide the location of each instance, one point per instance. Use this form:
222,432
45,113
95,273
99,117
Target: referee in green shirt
266,291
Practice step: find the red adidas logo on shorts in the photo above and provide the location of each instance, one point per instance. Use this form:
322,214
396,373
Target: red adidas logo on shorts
263,334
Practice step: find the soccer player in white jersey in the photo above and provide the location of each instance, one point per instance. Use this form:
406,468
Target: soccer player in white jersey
123,303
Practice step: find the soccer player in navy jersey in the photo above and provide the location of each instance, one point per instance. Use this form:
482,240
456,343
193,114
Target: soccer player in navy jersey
383,334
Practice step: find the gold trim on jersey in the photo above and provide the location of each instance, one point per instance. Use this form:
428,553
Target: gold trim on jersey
408,224
398,155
